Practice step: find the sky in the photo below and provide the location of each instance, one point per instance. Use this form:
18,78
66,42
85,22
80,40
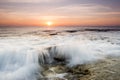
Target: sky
59,12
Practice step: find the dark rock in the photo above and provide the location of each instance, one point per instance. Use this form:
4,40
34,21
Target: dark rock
59,59
78,70
71,31
53,34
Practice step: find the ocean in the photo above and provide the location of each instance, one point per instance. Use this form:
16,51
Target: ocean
25,50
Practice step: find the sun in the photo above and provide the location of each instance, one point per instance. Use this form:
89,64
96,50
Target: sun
49,23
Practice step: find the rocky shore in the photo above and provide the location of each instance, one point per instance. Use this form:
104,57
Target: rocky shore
107,69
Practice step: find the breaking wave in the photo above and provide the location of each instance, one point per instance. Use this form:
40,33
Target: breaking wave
23,57
26,64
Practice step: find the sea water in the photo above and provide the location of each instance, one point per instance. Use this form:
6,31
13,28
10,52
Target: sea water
23,50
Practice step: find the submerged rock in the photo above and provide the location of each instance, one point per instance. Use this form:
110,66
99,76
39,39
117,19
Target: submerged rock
52,34
59,59
78,70
58,69
62,72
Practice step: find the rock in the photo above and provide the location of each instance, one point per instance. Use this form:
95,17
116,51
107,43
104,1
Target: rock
73,73
72,31
59,59
78,70
48,72
52,34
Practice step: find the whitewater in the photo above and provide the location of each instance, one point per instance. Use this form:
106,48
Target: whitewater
24,51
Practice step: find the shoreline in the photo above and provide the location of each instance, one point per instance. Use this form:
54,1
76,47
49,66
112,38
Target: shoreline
107,69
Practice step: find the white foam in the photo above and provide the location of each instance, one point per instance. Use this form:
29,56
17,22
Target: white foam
19,56
87,51
18,63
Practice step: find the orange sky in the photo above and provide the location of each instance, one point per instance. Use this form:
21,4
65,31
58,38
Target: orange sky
57,22
62,12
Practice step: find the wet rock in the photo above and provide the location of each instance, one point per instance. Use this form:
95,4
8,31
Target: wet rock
59,59
72,73
48,73
71,31
52,34
78,70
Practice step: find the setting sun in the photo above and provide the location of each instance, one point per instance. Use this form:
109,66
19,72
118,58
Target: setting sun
49,23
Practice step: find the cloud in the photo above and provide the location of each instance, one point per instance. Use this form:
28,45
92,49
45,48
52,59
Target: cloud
83,10
56,10
32,1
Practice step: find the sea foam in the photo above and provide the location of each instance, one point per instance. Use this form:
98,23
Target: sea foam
21,58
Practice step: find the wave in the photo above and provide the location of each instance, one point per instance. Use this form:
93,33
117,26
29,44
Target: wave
18,64
26,64
24,57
